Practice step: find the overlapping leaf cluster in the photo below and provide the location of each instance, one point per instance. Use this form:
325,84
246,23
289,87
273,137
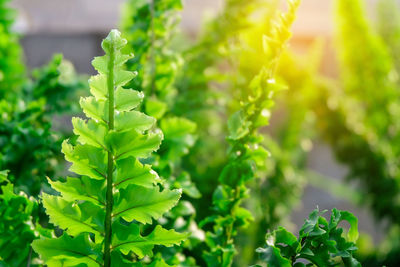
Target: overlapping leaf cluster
320,243
103,210
150,27
246,152
24,127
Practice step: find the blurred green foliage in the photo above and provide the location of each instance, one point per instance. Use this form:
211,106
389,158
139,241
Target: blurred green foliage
245,154
29,146
202,94
12,70
364,124
150,27
193,88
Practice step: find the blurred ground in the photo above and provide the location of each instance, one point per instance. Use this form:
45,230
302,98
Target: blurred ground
75,28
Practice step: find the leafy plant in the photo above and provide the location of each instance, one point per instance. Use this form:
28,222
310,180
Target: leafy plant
17,226
320,243
245,152
149,27
23,128
283,178
104,209
202,93
29,142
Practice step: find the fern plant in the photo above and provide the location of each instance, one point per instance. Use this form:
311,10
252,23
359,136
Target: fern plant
102,211
245,152
158,64
319,243
282,180
202,94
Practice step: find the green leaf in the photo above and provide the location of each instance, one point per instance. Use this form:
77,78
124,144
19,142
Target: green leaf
98,86
118,260
238,126
122,77
94,109
179,136
128,120
156,108
237,172
101,64
82,188
128,238
68,251
86,160
176,127
131,171
188,187
127,99
75,218
273,257
142,203
89,132
132,143
338,216
4,175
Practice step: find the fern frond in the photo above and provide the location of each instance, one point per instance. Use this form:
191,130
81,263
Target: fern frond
104,208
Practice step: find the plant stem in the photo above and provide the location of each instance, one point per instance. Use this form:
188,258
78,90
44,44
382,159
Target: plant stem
110,166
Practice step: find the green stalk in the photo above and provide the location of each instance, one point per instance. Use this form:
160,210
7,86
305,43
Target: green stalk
110,166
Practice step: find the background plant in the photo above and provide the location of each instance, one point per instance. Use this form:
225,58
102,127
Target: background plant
245,152
18,227
319,242
12,71
202,94
150,27
29,146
